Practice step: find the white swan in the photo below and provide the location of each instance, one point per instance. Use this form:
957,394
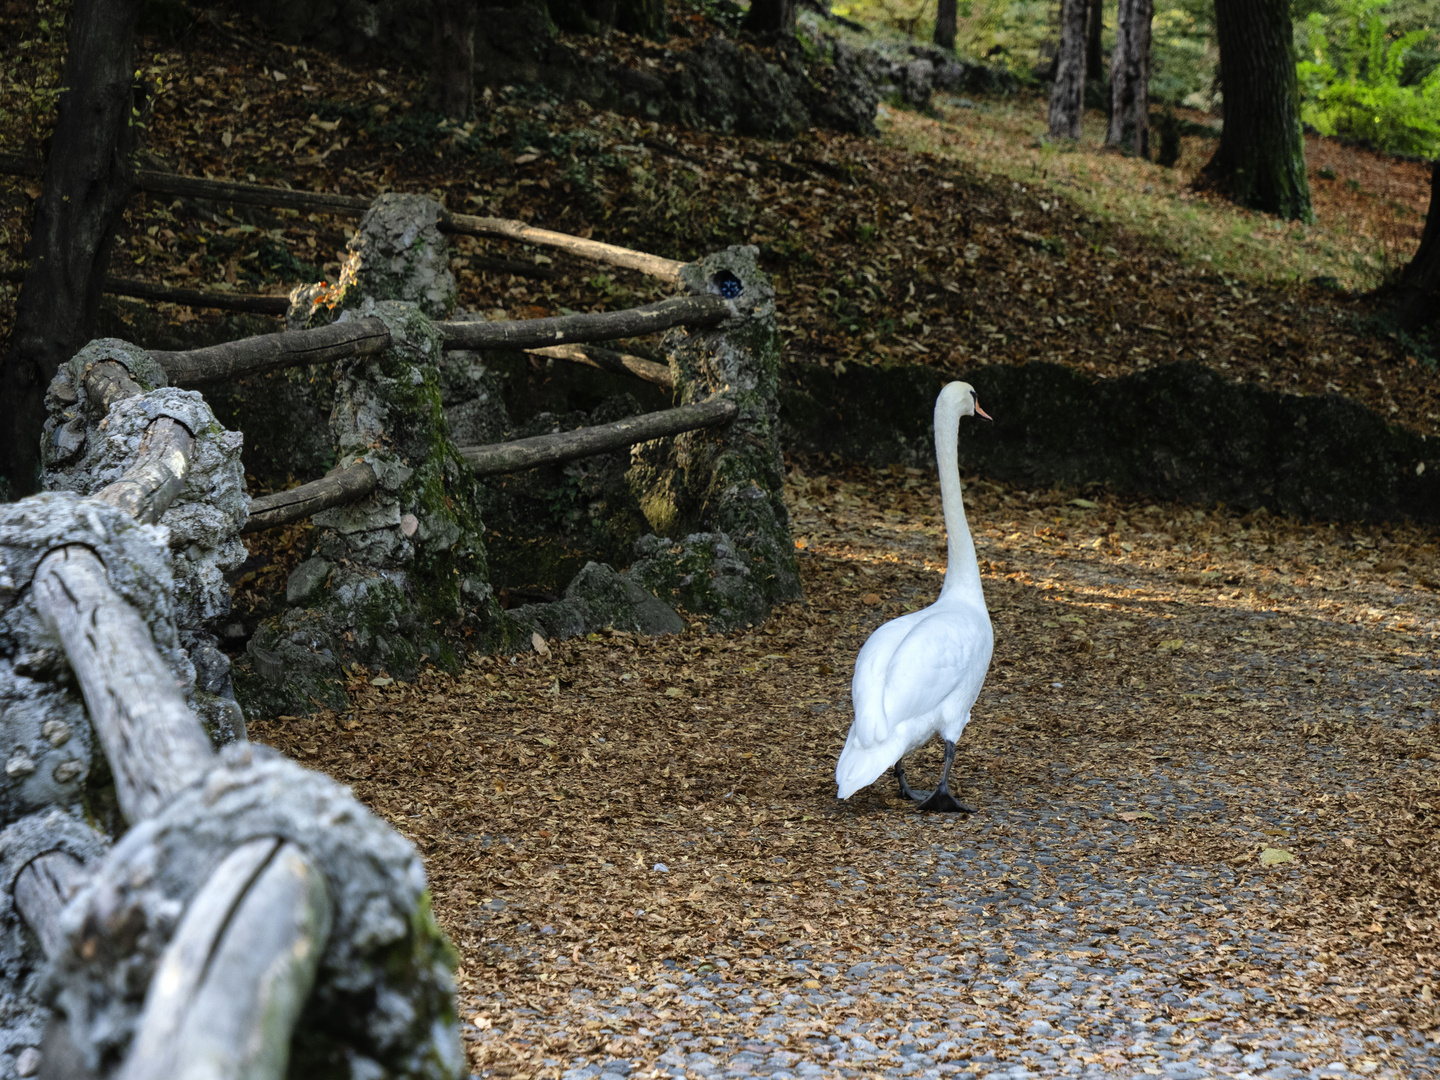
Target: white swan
922,672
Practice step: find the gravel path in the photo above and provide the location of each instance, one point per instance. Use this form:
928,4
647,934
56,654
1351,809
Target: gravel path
1204,843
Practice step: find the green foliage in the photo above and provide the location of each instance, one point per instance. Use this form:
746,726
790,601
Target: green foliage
1354,79
1182,53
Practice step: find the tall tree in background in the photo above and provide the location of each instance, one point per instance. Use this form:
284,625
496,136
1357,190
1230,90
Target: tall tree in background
1130,78
945,20
771,17
1260,162
1419,288
455,57
86,184
1067,96
1095,41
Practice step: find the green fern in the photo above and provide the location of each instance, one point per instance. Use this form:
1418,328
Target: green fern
1354,87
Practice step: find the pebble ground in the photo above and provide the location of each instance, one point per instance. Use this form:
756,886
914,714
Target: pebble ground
1203,773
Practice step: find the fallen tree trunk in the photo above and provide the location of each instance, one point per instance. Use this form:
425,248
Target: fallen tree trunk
152,740
602,326
232,982
298,503
295,348
568,445
609,360
507,229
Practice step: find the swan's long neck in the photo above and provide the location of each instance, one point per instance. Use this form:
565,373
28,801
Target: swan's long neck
962,572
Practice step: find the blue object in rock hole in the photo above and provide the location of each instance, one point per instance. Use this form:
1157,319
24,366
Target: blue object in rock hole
729,285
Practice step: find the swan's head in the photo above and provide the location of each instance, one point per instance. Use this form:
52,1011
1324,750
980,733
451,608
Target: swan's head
961,396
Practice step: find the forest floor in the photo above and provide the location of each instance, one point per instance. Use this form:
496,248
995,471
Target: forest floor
958,239
1205,767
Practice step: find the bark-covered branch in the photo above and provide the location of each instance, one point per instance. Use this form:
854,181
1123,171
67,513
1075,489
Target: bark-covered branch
298,503
568,445
294,348
609,360
252,303
152,740
506,229
200,298
603,326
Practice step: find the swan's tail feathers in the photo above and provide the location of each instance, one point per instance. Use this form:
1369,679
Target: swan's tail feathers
860,766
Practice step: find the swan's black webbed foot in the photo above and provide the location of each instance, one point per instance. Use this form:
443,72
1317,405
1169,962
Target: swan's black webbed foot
942,802
906,791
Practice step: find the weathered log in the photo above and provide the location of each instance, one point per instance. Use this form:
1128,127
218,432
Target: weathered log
230,986
154,743
42,890
507,229
232,191
602,326
229,191
108,382
339,488
201,298
266,352
518,267
156,477
585,442
609,360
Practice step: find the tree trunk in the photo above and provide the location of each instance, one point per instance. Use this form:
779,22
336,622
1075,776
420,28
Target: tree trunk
455,57
86,185
1130,79
771,17
1067,97
1419,290
1094,41
1260,162
945,14
647,17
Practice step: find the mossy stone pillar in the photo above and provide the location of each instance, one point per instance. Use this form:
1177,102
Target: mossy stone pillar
400,577
397,253
721,488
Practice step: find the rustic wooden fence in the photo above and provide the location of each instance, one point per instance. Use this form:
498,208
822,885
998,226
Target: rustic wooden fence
252,910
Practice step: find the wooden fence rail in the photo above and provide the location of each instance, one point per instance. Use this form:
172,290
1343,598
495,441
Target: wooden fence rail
353,483
296,348
231,191
246,952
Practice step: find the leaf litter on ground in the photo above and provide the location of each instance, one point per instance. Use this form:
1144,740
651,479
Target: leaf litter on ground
541,816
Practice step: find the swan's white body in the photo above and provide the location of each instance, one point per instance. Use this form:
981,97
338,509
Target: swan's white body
921,673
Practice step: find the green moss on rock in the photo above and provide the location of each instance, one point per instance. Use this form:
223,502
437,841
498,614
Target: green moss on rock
721,488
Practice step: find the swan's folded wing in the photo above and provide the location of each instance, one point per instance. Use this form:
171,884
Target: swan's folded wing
944,653
867,688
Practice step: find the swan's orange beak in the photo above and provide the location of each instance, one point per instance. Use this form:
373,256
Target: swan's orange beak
982,413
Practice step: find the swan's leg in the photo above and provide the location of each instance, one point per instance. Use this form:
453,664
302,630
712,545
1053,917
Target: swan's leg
906,792
940,800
